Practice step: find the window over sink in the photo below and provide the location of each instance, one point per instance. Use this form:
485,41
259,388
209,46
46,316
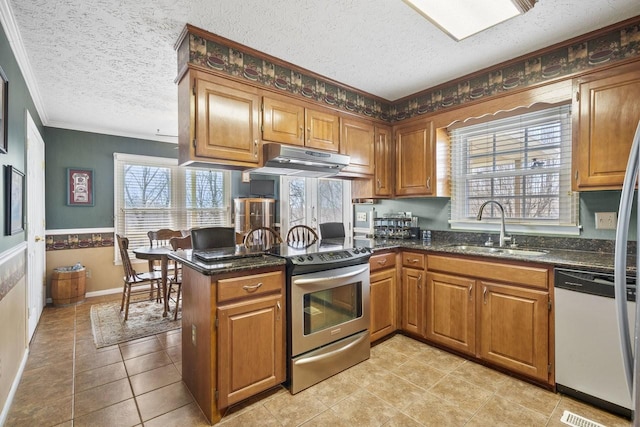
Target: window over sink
522,161
153,193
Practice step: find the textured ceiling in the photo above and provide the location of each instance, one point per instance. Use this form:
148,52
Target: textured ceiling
108,66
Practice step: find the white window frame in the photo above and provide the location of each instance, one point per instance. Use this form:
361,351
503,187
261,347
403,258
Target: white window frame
178,188
569,207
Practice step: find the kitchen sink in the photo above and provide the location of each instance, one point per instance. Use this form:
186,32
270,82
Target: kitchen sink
498,250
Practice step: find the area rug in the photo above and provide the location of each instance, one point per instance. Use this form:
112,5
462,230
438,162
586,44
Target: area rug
145,319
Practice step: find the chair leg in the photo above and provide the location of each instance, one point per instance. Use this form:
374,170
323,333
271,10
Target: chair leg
126,312
175,315
124,292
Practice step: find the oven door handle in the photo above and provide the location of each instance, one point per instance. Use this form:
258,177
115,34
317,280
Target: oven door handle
331,353
329,279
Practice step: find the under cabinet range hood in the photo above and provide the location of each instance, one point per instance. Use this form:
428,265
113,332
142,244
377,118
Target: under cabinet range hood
299,161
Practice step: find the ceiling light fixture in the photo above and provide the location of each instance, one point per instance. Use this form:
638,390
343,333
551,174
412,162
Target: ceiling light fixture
463,18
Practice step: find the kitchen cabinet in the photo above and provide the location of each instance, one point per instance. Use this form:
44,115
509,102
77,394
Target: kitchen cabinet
510,303
221,122
291,123
450,311
381,184
233,334
382,299
605,116
412,282
415,159
357,141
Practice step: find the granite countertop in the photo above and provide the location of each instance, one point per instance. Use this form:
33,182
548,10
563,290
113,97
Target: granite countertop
225,266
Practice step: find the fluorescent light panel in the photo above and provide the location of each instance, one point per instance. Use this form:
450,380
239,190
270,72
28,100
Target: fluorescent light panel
463,18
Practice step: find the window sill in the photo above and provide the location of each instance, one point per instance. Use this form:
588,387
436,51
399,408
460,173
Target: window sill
493,226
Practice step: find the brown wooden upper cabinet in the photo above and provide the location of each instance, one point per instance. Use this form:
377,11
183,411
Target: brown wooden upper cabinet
381,184
226,123
415,153
357,141
293,124
605,117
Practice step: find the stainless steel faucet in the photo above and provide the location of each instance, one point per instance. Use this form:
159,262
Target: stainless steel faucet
503,238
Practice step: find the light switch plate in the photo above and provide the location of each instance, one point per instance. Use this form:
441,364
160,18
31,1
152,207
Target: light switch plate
606,220
361,216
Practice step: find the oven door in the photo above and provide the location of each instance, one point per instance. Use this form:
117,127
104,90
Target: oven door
327,306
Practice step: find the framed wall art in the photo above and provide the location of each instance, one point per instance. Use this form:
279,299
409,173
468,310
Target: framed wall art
79,187
4,110
14,201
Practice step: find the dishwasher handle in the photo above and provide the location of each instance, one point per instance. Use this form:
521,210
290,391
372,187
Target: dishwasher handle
593,283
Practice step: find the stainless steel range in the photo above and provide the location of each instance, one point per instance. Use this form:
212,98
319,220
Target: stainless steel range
328,303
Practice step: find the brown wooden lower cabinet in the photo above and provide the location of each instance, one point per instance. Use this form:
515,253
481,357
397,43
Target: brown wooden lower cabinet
412,300
233,335
382,303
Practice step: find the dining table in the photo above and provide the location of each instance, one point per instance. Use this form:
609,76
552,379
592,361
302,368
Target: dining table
157,253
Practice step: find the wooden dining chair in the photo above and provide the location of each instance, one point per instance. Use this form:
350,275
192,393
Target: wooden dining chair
160,238
301,235
265,237
136,283
175,277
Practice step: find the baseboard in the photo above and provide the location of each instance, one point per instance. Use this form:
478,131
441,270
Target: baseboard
104,292
14,387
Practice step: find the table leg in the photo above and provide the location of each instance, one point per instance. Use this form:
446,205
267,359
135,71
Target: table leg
164,261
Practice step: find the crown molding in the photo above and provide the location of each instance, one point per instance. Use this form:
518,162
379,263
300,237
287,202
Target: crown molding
10,26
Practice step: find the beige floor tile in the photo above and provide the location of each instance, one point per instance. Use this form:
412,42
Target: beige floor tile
122,414
420,373
163,400
257,416
99,376
140,348
147,362
45,385
334,389
365,373
529,396
154,379
102,396
480,375
327,418
175,353
582,409
501,412
402,420
433,411
395,390
188,415
250,403
35,413
88,347
292,410
170,338
468,397
364,409
442,360
87,362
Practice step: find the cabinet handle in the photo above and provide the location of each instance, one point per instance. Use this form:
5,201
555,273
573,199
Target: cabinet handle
379,185
279,310
301,133
470,290
255,148
576,175
484,295
413,260
383,261
428,183
252,288
420,281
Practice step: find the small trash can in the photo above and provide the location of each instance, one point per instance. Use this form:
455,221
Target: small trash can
68,285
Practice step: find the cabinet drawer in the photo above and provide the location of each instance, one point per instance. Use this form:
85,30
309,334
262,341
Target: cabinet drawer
250,286
537,277
414,260
381,261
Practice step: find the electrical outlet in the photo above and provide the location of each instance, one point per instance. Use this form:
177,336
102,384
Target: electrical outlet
361,216
88,273
606,220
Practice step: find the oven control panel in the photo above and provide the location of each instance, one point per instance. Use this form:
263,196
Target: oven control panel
331,257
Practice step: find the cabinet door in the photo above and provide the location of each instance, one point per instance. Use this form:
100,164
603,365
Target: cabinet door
450,312
227,123
608,112
251,355
323,130
357,141
282,122
382,303
414,159
383,154
514,328
412,300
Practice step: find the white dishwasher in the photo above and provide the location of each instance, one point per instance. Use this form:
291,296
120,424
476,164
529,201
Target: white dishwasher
588,356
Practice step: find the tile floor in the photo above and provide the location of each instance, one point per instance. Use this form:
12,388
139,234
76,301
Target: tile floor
67,382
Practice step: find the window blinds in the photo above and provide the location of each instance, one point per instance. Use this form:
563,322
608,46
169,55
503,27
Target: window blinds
153,193
523,162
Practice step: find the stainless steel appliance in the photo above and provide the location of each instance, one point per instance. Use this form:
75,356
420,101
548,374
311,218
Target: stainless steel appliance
300,161
629,346
588,351
328,303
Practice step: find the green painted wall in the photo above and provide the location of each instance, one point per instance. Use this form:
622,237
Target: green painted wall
20,102
69,148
